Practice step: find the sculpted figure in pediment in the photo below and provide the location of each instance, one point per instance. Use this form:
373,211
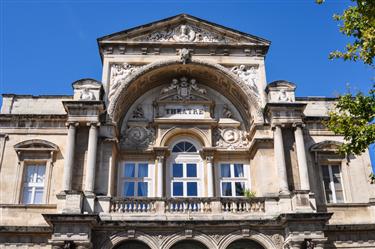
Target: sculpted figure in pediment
249,76
119,72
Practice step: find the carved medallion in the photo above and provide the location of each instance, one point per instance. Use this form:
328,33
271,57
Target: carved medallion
278,239
231,138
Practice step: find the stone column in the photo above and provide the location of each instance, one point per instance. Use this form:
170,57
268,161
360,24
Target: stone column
210,176
69,156
160,186
280,160
91,157
301,157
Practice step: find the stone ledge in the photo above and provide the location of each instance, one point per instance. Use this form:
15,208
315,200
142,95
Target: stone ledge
25,229
29,206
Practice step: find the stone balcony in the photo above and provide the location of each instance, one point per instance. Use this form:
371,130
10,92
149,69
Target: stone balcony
194,208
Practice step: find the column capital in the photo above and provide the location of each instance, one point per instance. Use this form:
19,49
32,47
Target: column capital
90,124
298,124
280,125
160,152
209,158
71,123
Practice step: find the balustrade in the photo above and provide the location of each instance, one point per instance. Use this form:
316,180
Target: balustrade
146,205
242,205
133,205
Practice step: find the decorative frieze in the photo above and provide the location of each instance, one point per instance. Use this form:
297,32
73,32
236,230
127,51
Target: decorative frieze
184,33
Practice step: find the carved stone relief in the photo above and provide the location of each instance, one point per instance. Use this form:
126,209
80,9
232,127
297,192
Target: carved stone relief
227,113
249,75
185,55
183,89
231,138
86,94
184,33
119,72
138,113
138,136
278,239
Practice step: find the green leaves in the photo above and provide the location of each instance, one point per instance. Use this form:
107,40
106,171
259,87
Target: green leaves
358,22
354,118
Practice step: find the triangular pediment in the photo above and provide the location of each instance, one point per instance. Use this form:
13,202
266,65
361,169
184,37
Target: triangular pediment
183,28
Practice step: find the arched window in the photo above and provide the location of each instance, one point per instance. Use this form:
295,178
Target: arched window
184,146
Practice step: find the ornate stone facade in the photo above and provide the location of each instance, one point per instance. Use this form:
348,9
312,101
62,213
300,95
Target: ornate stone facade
182,144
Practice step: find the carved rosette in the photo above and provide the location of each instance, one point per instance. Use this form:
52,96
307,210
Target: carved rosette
119,73
231,138
139,137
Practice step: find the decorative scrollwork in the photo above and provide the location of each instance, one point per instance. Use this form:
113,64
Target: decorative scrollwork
119,73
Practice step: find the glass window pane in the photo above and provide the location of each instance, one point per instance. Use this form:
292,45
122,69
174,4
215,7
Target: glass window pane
40,173
329,196
38,197
225,170
128,189
142,170
30,173
192,189
142,188
129,170
177,170
238,170
26,198
178,189
340,196
240,188
191,170
190,147
226,189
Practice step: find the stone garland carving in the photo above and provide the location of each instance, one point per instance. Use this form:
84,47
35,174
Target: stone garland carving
184,33
248,75
119,73
86,94
231,138
183,87
138,136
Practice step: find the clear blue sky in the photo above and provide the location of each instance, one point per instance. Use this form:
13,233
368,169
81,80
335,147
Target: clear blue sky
46,45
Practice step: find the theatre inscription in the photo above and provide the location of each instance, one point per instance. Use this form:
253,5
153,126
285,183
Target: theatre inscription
182,111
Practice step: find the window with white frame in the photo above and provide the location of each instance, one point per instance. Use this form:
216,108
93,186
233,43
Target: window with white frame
33,183
184,179
232,179
332,182
135,179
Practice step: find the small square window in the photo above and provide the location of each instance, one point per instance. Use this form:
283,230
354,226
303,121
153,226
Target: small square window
178,189
128,189
226,189
142,170
191,170
177,170
129,170
238,170
192,189
225,170
142,188
240,188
